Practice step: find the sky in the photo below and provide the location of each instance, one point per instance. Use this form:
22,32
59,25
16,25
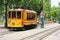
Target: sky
55,3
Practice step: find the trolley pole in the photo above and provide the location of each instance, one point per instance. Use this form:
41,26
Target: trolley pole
6,5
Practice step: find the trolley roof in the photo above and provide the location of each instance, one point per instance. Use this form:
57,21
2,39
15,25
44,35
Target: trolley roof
22,10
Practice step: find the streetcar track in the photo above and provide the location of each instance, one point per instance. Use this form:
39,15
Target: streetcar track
41,33
47,34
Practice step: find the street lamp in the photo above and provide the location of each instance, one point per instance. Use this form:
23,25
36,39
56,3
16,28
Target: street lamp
6,5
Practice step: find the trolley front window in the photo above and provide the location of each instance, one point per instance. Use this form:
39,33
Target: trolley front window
13,14
19,14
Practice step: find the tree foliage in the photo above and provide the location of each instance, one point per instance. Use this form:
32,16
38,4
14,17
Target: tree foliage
46,8
50,13
54,13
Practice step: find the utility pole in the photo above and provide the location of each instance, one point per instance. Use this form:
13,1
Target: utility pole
6,12
42,15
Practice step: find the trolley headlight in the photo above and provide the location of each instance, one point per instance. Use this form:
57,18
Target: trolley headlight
13,23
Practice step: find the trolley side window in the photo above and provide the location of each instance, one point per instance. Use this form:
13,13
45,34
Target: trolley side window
13,14
31,16
9,15
18,14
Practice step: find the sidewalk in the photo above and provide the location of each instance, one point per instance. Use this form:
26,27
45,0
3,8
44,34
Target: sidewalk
22,34
1,25
3,29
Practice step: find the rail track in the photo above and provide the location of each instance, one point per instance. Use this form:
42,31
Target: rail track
41,35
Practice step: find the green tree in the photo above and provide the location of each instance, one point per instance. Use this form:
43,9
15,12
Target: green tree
54,13
33,4
46,9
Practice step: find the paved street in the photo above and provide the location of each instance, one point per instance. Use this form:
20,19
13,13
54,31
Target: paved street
22,34
54,36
